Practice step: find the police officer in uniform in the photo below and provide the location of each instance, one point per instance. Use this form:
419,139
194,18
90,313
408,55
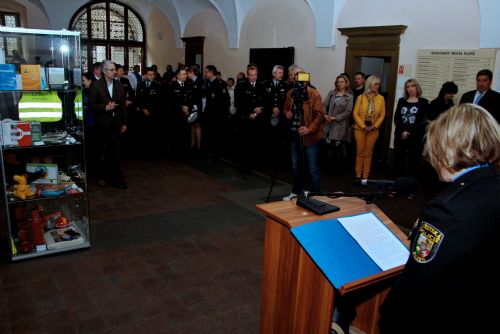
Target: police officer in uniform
216,112
275,97
179,96
249,102
152,120
453,254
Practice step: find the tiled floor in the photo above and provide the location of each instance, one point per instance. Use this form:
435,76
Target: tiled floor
170,254
180,251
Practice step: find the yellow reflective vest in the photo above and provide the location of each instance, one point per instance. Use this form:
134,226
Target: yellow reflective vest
40,106
79,105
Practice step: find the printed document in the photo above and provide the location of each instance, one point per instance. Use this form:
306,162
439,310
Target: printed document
383,247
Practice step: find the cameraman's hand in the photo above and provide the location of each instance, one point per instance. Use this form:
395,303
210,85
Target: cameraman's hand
304,130
289,114
257,110
252,116
185,110
276,111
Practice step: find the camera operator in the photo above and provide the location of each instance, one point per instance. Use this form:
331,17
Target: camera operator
304,109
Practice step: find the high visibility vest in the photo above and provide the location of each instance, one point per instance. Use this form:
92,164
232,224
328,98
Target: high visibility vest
79,105
40,106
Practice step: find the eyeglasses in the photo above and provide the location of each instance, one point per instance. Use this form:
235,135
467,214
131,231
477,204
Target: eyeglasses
111,69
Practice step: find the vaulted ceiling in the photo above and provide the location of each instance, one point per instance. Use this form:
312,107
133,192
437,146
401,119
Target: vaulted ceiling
180,12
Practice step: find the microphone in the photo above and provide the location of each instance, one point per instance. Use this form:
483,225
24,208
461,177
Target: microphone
377,183
403,185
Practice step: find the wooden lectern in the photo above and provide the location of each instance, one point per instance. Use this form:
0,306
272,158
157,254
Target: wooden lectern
296,296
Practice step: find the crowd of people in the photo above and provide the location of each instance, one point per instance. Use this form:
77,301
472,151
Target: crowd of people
182,113
186,113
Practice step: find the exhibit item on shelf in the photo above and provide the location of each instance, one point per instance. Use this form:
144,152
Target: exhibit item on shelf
44,202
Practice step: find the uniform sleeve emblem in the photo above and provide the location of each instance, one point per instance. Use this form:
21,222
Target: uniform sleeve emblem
427,243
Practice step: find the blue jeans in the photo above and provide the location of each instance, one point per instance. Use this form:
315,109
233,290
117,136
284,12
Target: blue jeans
311,156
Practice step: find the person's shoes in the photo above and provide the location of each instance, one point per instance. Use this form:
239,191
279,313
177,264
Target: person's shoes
290,196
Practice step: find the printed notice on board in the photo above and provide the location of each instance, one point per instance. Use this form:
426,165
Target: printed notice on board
436,66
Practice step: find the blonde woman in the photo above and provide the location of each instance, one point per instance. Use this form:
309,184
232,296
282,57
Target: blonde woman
455,242
409,119
338,107
368,114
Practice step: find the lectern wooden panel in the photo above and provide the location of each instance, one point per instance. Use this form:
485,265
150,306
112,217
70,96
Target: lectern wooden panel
296,296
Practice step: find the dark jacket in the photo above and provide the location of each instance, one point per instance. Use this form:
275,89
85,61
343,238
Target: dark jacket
217,100
410,117
453,255
98,99
247,98
490,101
149,97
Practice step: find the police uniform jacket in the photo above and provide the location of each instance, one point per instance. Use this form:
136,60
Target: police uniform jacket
312,115
490,101
99,97
179,96
248,97
453,257
275,95
127,88
217,100
149,97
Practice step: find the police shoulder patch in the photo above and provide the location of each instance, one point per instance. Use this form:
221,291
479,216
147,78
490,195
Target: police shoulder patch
427,242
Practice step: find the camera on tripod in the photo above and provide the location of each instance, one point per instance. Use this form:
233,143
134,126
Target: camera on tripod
300,90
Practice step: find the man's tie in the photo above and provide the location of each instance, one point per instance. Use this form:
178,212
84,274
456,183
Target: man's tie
147,84
182,84
479,95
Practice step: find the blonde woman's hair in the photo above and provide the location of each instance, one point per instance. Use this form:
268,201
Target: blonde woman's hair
370,81
417,85
462,137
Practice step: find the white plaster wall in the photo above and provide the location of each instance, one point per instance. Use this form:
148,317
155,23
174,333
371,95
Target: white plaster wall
271,23
443,24
161,51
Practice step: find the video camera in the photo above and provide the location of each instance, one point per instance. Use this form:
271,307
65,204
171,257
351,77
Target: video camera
300,89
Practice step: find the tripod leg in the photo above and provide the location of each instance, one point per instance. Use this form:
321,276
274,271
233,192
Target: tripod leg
272,184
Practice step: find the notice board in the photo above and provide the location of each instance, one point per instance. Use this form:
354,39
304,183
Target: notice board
436,66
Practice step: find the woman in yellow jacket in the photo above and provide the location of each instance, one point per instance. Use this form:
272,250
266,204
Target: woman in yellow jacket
368,114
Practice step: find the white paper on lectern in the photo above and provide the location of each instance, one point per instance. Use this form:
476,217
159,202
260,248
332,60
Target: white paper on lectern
383,247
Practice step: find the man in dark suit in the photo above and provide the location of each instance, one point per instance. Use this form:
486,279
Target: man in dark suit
484,96
216,111
107,100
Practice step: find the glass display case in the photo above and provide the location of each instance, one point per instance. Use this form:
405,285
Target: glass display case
44,205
